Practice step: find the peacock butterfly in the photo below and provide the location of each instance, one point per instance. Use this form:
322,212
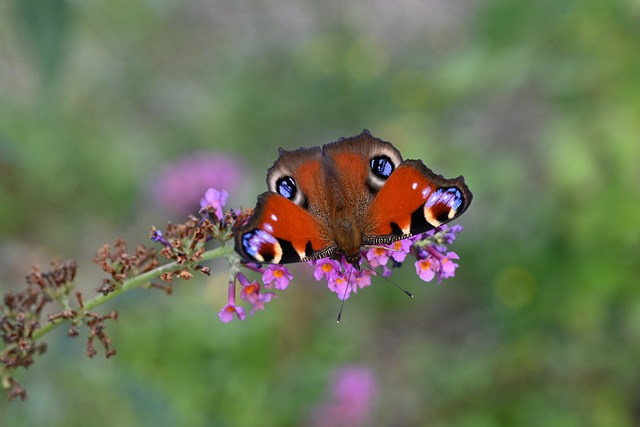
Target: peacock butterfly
330,201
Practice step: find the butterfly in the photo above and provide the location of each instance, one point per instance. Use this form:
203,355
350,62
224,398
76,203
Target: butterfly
332,201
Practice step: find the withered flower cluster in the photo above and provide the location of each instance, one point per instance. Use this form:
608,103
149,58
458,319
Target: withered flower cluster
21,311
119,264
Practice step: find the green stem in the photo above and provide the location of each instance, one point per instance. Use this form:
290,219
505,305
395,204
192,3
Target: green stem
132,283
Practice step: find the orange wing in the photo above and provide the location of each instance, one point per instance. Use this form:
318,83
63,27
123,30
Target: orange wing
282,232
412,201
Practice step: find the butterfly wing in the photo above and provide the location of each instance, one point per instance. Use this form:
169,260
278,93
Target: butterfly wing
350,159
289,223
281,232
414,200
352,192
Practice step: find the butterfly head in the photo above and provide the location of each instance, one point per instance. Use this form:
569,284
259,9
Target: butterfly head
354,259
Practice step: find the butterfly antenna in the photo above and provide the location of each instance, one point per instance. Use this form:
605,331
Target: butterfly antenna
364,261
340,312
344,296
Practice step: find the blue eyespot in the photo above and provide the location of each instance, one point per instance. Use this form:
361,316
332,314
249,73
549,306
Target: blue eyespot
259,245
286,187
381,166
451,197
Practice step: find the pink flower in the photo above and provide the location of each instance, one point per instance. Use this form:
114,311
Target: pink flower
250,292
277,275
377,256
399,250
426,268
325,268
216,199
448,267
261,301
363,279
227,312
341,286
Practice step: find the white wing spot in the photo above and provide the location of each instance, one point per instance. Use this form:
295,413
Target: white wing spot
274,217
414,185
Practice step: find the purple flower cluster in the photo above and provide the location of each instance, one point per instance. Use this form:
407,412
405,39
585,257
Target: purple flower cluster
429,249
252,292
432,255
432,259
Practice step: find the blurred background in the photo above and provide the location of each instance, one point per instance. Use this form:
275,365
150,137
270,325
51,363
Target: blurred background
116,115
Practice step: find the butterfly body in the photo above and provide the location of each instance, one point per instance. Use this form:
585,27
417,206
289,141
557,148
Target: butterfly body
330,201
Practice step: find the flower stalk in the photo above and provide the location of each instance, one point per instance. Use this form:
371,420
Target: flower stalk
130,284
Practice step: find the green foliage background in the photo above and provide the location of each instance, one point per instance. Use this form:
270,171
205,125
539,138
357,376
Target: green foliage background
536,103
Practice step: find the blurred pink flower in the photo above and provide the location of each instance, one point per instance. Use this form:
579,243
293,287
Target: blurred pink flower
179,186
260,302
352,399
